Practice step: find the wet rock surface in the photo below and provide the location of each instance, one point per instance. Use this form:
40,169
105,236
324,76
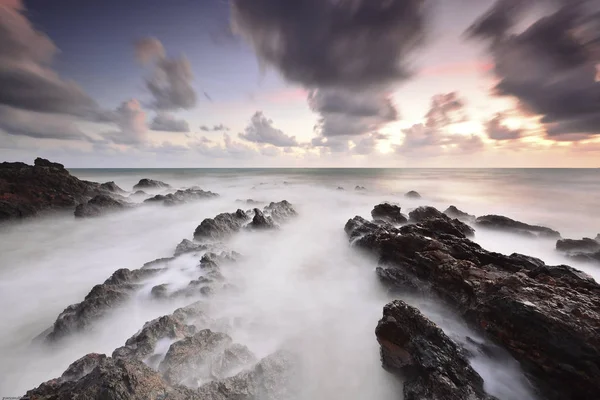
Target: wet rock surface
150,184
26,190
432,365
547,317
432,219
99,205
505,224
388,212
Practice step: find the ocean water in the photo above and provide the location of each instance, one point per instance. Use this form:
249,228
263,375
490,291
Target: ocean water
301,287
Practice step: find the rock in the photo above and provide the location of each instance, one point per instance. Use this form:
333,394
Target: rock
111,187
360,188
547,317
160,291
99,301
181,196
585,257
422,213
150,184
202,357
388,212
96,376
454,212
340,188
433,366
187,246
220,227
432,219
143,343
99,205
249,202
280,211
585,245
273,378
158,264
259,221
501,223
27,190
139,193
412,195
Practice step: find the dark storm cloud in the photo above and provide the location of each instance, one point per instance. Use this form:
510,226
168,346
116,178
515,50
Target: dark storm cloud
497,22
551,68
261,130
171,81
168,123
327,43
349,113
497,131
26,79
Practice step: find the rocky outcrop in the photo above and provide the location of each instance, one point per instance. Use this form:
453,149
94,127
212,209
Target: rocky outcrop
150,184
111,187
181,196
547,317
99,205
440,221
580,245
359,188
412,195
202,357
221,226
505,224
99,301
280,211
261,222
454,212
388,212
432,365
187,246
26,190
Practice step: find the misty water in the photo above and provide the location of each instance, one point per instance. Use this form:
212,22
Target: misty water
301,287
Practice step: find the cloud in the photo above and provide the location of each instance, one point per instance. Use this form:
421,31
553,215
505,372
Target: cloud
171,81
367,145
261,130
445,109
215,128
167,122
205,128
228,149
18,122
131,120
328,43
26,79
332,144
497,22
550,67
349,113
497,131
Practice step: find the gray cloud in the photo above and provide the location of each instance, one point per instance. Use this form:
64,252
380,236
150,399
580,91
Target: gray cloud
26,79
171,81
497,131
38,125
261,130
167,122
131,120
205,128
368,144
551,68
445,109
333,144
220,128
327,43
228,149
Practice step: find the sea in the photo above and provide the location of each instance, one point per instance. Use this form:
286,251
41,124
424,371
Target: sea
301,286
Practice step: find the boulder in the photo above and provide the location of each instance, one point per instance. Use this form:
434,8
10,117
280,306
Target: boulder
99,205
42,162
202,357
432,365
412,195
360,188
150,184
454,212
111,187
388,212
547,317
505,224
220,227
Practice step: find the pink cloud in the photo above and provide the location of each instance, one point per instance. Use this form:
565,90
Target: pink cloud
461,68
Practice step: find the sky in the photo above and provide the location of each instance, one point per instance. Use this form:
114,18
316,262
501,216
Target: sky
304,83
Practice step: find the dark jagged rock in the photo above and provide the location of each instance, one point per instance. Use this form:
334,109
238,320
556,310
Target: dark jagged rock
150,184
260,221
221,227
585,245
99,205
158,264
181,196
187,246
27,190
454,212
204,356
360,188
412,195
501,223
273,378
280,211
160,291
431,218
388,212
593,257
143,343
547,317
249,202
111,187
96,376
433,366
99,301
